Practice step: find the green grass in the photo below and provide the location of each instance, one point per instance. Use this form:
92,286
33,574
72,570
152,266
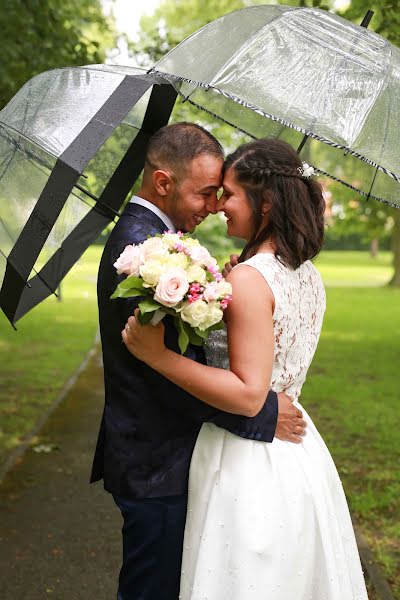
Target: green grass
352,393
51,342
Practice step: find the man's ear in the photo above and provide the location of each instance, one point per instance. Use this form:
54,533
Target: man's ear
163,182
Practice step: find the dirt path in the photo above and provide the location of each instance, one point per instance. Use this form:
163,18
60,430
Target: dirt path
60,536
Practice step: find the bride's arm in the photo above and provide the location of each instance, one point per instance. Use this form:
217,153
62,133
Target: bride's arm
241,390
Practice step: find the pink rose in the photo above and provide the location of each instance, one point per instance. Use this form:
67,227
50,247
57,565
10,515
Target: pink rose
172,287
129,261
200,255
211,292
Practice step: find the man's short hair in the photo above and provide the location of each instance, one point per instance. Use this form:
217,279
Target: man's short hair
174,146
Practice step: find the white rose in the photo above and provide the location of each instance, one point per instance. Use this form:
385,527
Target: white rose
170,239
191,242
177,259
196,273
214,315
153,248
199,255
130,260
194,313
172,287
151,271
201,315
224,288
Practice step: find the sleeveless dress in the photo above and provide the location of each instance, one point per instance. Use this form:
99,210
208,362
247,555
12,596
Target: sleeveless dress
270,521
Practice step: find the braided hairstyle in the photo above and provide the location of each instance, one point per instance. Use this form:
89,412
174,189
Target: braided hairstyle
270,171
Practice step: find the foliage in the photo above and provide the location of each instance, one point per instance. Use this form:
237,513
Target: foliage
351,393
176,19
37,35
38,359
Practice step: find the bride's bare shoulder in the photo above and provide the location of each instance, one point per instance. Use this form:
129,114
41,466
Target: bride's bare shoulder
250,285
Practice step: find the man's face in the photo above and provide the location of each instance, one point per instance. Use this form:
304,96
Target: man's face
196,193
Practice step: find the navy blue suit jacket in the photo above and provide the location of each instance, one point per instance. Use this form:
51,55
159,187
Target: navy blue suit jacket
149,425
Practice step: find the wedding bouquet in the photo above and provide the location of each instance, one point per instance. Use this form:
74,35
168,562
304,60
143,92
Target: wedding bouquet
176,276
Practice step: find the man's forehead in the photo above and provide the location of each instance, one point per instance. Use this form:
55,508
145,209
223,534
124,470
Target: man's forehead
206,166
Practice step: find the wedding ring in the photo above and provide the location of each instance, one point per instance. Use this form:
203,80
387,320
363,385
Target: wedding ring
127,328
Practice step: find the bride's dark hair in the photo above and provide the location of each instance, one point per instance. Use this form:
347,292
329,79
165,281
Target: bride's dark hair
270,171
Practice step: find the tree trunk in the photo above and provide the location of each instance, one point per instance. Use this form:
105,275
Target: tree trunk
374,247
395,281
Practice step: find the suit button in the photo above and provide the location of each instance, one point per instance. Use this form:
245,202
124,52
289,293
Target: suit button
258,436
243,434
251,436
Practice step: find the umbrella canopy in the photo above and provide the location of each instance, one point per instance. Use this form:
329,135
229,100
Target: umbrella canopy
72,144
330,88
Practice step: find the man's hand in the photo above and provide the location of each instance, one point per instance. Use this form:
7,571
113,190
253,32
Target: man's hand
234,258
290,426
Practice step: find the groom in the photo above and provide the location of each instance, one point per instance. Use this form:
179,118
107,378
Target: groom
149,425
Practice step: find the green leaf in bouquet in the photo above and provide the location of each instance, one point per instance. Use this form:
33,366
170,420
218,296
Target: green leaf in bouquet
131,282
149,305
195,338
216,327
210,277
129,293
130,287
201,334
183,340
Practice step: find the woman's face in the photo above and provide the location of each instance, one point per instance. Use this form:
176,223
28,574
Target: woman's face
237,208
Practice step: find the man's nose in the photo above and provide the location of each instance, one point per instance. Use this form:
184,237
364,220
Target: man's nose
211,205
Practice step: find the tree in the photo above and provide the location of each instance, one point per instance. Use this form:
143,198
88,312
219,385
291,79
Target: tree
176,19
37,35
386,22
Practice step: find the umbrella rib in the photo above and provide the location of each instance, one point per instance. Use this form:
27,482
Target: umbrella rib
86,192
279,120
362,193
15,269
40,161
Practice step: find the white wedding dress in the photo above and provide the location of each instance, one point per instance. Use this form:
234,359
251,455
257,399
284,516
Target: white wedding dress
270,521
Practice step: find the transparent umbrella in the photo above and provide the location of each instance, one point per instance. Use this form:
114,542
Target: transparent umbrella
329,87
72,144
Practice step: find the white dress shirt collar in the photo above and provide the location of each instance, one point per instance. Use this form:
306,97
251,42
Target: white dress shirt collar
154,209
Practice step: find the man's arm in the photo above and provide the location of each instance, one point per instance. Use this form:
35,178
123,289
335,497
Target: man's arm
278,418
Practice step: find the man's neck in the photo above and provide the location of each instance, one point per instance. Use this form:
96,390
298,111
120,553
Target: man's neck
153,198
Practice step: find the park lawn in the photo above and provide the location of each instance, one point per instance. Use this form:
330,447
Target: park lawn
51,342
352,393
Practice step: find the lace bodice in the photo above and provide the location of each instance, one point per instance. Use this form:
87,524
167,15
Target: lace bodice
299,309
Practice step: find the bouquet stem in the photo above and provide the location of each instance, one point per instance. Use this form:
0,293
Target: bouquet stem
157,317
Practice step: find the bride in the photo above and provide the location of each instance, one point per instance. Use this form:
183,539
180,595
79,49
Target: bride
264,521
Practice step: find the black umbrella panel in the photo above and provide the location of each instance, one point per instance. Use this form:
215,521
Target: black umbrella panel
72,144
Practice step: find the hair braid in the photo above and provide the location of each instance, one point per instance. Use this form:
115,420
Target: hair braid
271,172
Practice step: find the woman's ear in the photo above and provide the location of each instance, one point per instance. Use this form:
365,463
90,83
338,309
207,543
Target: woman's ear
266,204
163,182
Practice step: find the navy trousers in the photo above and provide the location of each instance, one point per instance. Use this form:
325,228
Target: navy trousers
152,535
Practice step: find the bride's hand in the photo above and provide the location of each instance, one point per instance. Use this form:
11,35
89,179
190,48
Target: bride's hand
146,342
